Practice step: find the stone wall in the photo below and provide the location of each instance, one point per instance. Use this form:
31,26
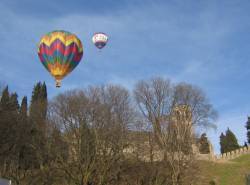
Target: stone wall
211,156
158,155
233,154
225,156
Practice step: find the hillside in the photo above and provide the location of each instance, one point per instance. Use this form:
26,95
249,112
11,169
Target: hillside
227,173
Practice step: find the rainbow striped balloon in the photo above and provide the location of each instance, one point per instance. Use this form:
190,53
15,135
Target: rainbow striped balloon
60,52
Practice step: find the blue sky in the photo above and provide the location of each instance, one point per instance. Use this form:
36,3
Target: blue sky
206,43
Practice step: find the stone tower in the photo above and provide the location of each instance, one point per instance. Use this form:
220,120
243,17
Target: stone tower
182,114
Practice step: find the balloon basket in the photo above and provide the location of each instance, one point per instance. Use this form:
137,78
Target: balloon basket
58,83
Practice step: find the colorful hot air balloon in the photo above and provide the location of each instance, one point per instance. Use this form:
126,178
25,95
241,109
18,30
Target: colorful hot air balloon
100,40
60,52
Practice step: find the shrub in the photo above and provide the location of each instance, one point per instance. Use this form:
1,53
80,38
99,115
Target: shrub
212,182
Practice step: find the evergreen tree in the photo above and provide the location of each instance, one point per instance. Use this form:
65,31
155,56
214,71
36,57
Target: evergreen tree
23,119
35,101
27,154
5,128
13,116
204,145
4,103
228,142
231,141
248,129
44,100
38,114
222,143
8,126
24,107
38,106
35,92
14,106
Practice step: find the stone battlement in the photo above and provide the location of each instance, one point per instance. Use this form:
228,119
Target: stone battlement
232,155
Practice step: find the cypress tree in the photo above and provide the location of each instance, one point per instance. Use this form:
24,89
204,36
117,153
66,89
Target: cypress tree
36,92
231,141
39,102
13,114
5,129
23,114
23,118
38,113
24,107
8,124
222,143
248,129
4,103
44,100
26,154
228,142
34,101
14,106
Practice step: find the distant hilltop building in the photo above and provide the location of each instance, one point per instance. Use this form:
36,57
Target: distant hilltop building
180,117
143,145
182,114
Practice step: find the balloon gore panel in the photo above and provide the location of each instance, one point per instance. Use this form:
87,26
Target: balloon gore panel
60,52
100,40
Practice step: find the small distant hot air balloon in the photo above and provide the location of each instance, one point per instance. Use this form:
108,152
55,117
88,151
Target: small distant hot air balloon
100,40
60,52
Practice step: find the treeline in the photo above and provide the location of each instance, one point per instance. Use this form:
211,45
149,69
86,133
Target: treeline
22,133
100,135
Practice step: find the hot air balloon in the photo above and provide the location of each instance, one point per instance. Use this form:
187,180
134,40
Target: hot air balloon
100,40
60,52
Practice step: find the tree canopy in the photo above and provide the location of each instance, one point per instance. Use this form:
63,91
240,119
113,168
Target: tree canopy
228,142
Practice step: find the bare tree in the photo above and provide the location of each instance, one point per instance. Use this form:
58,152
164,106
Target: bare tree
112,114
173,111
94,125
70,111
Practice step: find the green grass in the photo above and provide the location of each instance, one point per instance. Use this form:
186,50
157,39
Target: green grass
228,173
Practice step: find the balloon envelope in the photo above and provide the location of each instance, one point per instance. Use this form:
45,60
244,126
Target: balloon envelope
100,40
60,52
